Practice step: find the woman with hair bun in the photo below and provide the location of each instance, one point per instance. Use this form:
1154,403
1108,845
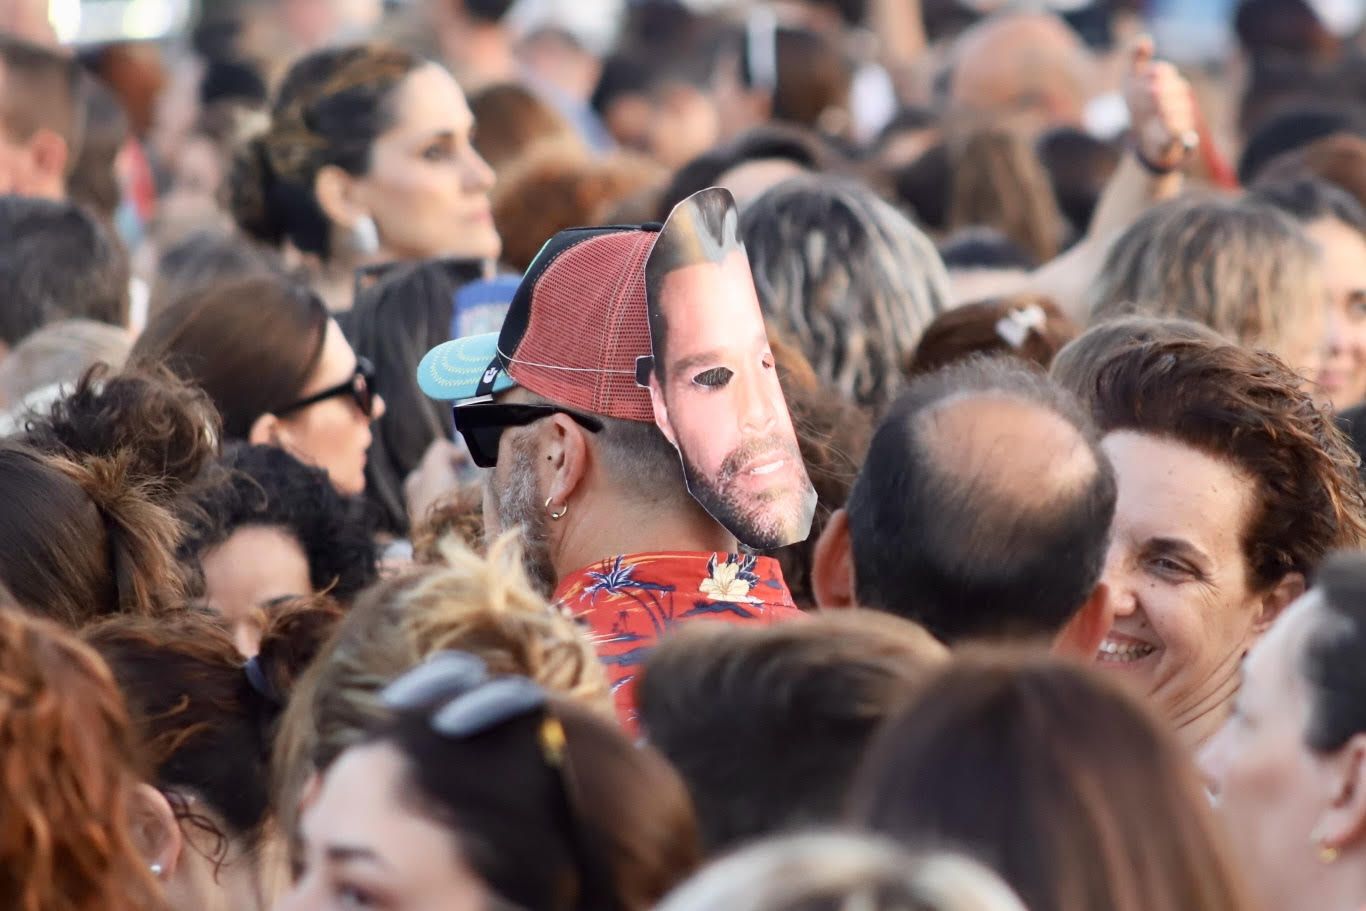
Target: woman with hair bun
367,158
207,722
68,777
84,539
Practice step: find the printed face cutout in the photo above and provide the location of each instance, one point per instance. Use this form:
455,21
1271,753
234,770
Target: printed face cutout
713,382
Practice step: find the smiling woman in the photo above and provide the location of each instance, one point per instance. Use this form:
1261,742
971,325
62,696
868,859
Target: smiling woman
367,158
1233,485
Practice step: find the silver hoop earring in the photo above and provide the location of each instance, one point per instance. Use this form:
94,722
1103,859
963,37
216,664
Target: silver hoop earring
557,516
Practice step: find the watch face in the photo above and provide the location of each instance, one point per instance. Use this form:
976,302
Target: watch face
714,384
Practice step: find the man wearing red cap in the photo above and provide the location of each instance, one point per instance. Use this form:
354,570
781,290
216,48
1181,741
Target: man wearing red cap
552,406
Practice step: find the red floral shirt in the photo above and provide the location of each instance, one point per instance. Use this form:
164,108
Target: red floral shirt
629,602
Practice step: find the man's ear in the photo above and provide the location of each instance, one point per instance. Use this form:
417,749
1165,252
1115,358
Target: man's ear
661,411
1286,592
49,157
564,455
337,193
1342,823
155,829
1082,635
832,565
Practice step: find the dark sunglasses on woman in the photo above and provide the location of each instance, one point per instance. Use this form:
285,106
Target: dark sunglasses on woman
360,388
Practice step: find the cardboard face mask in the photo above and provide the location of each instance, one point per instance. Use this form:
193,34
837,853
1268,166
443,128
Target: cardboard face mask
713,382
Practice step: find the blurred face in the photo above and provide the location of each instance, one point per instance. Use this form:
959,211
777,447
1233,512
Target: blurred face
683,126
1268,785
1177,576
365,847
718,400
28,167
1342,375
256,565
333,434
427,188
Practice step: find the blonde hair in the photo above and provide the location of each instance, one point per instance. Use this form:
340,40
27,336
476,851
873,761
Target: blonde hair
1238,266
829,871
486,606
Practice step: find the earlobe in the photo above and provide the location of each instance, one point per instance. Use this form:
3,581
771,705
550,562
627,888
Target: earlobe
155,830
1082,635
832,565
1285,593
335,191
568,459
265,431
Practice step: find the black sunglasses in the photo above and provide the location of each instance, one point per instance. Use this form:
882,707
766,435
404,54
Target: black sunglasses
482,425
360,387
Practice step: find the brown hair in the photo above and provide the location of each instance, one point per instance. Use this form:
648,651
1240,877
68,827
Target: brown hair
512,119
986,327
999,182
483,606
206,723
67,772
1056,777
1075,367
571,190
84,539
251,344
1247,409
767,724
1236,265
330,109
629,836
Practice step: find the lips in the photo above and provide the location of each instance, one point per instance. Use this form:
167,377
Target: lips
765,466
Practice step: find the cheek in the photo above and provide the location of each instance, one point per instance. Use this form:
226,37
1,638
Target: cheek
1177,618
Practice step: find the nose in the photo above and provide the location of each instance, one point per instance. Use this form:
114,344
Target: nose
377,408
756,407
1334,332
477,176
1123,598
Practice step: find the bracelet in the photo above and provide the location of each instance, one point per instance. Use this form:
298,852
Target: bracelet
1189,141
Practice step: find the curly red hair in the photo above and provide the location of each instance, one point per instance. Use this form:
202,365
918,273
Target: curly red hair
67,769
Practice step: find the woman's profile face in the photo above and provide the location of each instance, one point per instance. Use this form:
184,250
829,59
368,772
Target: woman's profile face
366,846
1178,578
1342,375
1266,782
427,188
333,434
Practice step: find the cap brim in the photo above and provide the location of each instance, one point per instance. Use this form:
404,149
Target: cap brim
455,370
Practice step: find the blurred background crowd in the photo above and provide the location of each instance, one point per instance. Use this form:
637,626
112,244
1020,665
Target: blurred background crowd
1068,302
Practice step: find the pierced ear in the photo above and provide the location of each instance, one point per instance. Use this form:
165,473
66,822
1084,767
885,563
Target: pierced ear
832,565
1343,822
265,431
336,193
155,829
566,457
1286,593
1082,635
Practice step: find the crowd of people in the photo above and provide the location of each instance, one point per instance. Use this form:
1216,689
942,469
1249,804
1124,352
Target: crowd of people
783,455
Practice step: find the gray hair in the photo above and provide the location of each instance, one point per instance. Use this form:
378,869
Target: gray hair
841,872
847,277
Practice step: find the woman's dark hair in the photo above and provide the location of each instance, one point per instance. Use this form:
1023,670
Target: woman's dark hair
207,723
1334,659
1078,166
395,323
266,486
330,109
84,539
1026,326
1308,199
605,826
168,427
1247,409
773,140
203,258
811,77
1055,777
251,344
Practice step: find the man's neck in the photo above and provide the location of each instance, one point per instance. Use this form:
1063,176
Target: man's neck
617,528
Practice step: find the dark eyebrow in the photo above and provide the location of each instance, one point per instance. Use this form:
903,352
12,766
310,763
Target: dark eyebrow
345,853
1177,546
706,357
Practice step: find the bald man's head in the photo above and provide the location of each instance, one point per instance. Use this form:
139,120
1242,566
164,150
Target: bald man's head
984,506
1023,63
